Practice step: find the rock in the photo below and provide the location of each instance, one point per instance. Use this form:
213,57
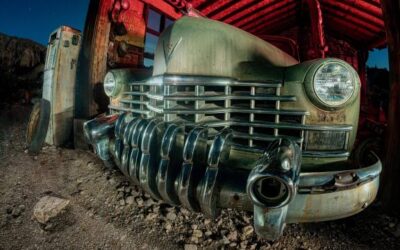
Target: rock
16,212
49,207
243,244
247,231
151,216
233,245
233,236
168,227
112,181
253,246
140,202
9,210
190,247
247,219
22,61
194,239
130,200
396,233
171,216
122,202
22,207
225,241
207,221
197,233
392,225
149,203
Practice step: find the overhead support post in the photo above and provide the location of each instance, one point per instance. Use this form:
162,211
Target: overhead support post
391,171
319,46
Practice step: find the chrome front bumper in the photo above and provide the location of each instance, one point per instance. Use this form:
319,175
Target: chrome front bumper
184,168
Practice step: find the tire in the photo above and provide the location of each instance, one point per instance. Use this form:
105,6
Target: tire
363,154
37,126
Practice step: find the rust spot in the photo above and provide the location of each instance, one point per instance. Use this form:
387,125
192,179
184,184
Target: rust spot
330,117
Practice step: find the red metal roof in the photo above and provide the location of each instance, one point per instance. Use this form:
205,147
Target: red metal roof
359,21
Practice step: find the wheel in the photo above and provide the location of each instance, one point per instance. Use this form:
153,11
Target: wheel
363,154
37,126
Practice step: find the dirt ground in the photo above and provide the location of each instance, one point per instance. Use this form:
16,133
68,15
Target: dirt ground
106,212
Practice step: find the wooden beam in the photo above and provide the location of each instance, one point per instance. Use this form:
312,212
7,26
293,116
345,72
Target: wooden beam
390,191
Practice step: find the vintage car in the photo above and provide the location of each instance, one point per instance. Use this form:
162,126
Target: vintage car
228,120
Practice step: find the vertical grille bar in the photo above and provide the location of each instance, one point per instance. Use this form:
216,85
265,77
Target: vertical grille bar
277,107
227,104
141,98
303,122
251,118
199,91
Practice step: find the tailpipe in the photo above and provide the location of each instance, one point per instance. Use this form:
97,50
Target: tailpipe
272,185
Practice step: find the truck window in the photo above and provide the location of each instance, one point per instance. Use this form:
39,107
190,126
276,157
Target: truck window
156,23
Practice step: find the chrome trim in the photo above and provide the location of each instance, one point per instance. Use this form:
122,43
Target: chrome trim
206,182
326,154
220,102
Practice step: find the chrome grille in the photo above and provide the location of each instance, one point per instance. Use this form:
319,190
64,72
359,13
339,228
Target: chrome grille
252,109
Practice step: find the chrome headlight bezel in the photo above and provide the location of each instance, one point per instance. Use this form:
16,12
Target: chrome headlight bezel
110,85
319,101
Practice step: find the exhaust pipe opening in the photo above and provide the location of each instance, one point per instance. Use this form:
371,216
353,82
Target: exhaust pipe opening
271,191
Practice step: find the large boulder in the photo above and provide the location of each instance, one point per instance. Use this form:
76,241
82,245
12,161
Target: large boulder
21,69
18,55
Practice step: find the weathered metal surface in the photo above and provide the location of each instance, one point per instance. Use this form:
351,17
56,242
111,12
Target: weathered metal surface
221,107
323,195
272,185
59,83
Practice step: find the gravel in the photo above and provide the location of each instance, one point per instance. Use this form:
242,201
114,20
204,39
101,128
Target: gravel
109,212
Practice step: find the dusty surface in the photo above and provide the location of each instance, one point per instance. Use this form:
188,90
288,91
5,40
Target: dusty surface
106,212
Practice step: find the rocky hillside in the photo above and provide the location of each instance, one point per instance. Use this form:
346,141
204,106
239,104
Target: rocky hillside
21,69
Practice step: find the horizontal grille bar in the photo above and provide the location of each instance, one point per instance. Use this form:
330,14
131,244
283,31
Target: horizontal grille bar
165,80
213,97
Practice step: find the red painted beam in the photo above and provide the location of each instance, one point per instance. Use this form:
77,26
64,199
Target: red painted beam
273,29
240,7
215,6
353,20
347,26
222,11
378,42
232,8
246,14
274,11
372,7
257,17
201,4
272,20
318,44
346,10
335,27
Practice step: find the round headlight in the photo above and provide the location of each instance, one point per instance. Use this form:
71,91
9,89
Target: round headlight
334,84
110,84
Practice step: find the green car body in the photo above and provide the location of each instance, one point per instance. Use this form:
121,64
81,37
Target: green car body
229,120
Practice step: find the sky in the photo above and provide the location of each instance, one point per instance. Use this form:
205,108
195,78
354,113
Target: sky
36,19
